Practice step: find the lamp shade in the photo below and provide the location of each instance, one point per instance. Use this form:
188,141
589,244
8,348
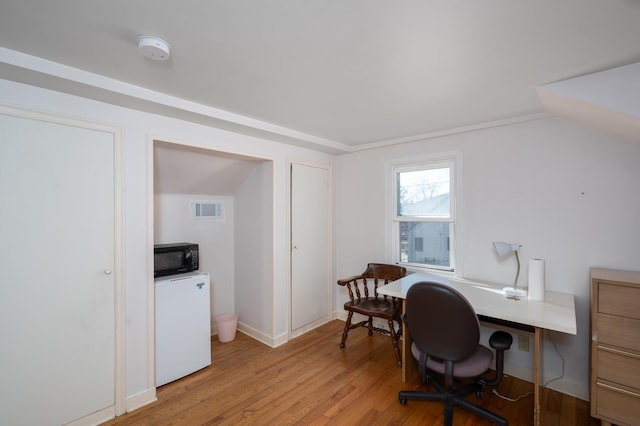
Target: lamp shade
504,249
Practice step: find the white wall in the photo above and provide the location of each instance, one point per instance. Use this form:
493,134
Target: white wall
549,164
138,130
173,222
254,292
568,194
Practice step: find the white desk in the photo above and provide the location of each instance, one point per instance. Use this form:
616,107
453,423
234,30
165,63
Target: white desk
557,312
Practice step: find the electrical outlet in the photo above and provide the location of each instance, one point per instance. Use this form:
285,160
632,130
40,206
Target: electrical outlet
523,343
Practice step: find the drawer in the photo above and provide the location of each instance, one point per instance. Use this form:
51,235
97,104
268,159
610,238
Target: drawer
617,404
619,300
618,331
619,367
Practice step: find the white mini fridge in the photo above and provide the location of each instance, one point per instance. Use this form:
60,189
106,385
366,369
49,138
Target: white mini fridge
183,325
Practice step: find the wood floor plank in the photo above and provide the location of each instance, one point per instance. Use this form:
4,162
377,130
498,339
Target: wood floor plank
311,381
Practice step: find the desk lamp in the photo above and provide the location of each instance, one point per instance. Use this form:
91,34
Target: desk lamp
504,249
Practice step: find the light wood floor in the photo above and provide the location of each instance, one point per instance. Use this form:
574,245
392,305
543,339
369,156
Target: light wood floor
310,380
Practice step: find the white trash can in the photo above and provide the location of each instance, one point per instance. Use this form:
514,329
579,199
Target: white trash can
226,325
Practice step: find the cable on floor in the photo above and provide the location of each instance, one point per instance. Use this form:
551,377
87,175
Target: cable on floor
495,391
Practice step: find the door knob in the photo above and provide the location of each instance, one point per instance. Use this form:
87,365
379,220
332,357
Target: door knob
107,271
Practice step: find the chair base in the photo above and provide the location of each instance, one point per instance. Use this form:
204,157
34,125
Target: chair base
450,401
452,398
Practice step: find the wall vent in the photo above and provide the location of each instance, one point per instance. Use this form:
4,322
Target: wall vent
208,209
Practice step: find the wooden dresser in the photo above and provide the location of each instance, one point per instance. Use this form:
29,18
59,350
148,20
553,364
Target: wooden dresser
615,346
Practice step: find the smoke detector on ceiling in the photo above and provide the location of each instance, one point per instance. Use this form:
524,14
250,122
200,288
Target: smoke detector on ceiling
154,48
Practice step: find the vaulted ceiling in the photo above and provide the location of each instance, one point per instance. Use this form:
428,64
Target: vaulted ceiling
180,169
330,75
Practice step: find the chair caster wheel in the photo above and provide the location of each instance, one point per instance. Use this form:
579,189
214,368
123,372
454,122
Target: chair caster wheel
403,401
341,345
479,393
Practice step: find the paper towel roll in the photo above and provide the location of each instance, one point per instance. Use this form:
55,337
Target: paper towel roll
536,279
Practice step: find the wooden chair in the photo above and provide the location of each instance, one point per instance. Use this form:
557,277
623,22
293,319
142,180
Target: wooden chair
364,300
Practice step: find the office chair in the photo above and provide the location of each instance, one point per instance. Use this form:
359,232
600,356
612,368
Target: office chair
364,300
446,336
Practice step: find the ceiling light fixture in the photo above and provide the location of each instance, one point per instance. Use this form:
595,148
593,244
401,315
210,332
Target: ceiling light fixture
154,48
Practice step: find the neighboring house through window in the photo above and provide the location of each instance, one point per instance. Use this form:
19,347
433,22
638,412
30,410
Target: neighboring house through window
424,219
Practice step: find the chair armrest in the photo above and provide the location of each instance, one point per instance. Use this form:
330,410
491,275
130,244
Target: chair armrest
345,281
500,340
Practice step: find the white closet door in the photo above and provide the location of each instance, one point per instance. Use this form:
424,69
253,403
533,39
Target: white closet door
310,237
56,261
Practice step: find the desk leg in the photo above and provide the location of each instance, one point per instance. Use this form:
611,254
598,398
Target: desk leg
408,366
537,340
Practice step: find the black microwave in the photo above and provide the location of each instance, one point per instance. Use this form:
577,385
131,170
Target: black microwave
175,258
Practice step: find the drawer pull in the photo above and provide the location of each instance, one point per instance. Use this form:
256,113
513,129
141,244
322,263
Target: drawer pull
615,389
618,351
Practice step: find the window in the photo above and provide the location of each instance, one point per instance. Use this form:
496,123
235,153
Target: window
423,219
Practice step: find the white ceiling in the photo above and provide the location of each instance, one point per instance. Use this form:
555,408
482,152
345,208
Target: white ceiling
180,169
332,75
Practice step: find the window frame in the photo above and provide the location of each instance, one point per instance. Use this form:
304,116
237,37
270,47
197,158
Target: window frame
449,162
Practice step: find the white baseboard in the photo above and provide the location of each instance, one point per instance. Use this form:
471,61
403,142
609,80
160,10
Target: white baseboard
140,400
277,340
280,340
96,418
561,385
315,324
132,403
262,337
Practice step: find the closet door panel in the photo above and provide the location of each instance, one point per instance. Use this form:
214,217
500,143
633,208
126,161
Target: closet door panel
57,315
310,233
